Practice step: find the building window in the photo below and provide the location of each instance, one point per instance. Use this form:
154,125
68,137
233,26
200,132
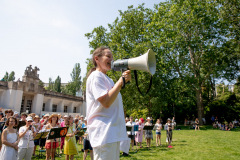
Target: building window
65,109
29,106
54,108
22,106
43,107
75,110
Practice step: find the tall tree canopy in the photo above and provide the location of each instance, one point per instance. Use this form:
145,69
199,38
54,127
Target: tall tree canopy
194,43
75,84
9,77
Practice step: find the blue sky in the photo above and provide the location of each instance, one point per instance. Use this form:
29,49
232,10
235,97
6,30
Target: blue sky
49,34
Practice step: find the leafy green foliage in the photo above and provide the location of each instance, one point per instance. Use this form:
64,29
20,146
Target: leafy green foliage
194,46
9,77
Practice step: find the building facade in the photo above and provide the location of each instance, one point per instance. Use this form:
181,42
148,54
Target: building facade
28,96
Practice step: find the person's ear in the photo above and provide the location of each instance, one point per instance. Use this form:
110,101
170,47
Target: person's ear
96,58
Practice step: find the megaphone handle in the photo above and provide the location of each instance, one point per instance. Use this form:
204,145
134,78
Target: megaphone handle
124,82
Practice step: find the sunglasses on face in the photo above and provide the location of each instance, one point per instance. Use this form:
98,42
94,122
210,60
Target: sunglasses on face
8,112
30,121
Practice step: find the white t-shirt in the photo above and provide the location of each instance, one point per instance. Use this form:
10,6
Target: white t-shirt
28,137
158,127
105,125
131,124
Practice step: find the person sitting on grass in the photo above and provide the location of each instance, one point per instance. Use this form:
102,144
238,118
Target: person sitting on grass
231,126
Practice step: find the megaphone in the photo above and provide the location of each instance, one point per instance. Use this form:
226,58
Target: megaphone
145,62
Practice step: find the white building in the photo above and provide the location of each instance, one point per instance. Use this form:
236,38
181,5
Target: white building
28,96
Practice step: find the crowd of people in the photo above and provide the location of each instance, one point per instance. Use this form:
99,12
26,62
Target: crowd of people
19,132
138,129
18,142
224,125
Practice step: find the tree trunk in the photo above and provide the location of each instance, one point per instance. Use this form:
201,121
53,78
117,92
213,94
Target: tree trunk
199,105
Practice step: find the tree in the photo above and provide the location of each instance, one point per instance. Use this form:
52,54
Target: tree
9,77
5,76
191,41
190,37
75,84
50,85
57,84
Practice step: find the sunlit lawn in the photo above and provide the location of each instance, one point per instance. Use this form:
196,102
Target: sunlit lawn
189,144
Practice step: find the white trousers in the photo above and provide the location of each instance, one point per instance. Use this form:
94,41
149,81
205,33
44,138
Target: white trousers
109,151
125,145
25,153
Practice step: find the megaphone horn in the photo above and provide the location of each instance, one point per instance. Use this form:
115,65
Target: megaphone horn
145,62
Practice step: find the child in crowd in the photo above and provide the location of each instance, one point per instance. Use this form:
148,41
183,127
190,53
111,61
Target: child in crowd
70,145
86,145
169,132
139,133
158,127
148,133
197,124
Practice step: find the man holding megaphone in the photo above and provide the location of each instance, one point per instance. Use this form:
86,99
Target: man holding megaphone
105,116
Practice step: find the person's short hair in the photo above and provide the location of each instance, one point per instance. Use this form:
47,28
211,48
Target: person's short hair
7,122
24,114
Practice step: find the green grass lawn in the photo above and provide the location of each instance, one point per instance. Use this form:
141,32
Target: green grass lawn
189,144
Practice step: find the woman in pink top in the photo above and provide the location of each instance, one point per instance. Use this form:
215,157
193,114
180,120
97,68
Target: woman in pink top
139,133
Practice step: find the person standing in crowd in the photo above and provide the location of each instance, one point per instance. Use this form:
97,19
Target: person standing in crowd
1,129
65,118
77,127
158,127
131,134
81,121
169,132
213,119
148,133
10,141
1,116
70,145
196,124
52,144
23,116
105,116
126,120
44,119
86,145
139,133
26,144
37,126
8,113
